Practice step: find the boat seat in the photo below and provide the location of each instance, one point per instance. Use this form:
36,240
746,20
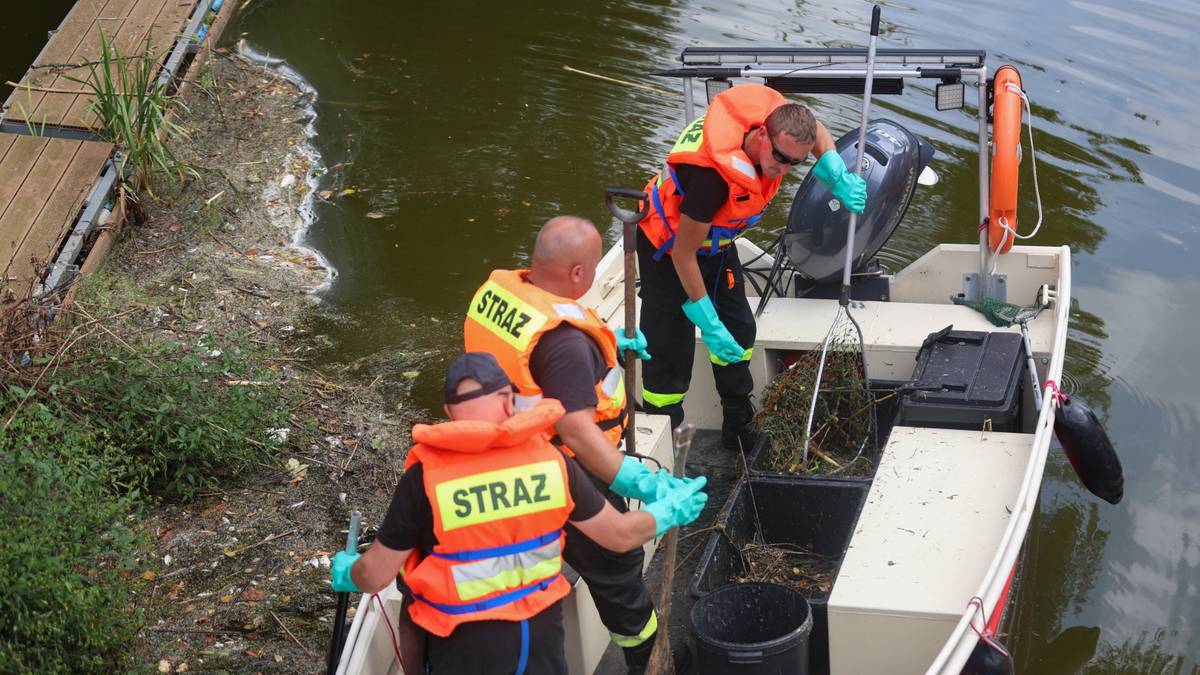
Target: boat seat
934,517
893,331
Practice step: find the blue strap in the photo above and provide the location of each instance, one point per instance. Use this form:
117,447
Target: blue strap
715,233
656,200
524,660
497,551
492,602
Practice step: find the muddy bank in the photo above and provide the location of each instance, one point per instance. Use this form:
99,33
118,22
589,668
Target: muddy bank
238,581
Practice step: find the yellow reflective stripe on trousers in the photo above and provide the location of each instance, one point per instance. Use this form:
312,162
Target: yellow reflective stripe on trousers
477,579
635,640
661,400
745,357
707,243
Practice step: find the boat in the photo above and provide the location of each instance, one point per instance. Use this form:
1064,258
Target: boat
930,562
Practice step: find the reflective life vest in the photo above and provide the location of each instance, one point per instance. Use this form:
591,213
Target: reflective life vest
507,317
715,140
500,497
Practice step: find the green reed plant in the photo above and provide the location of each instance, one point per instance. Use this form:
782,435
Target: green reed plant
131,105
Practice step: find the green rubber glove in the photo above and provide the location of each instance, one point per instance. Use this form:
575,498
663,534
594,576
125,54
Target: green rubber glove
339,569
716,337
850,190
635,481
637,343
679,507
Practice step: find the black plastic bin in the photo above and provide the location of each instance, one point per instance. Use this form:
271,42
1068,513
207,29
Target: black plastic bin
815,513
964,378
885,418
752,629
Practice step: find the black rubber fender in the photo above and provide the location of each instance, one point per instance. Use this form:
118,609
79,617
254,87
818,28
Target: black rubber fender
1089,450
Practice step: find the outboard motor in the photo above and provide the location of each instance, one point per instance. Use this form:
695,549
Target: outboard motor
815,242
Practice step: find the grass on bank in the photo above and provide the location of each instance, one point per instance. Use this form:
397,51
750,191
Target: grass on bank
91,440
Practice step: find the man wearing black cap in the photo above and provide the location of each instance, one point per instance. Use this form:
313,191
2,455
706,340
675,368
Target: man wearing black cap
484,503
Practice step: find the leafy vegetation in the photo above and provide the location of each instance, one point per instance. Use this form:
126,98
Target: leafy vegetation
90,439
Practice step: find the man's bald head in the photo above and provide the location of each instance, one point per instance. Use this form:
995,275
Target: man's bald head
565,256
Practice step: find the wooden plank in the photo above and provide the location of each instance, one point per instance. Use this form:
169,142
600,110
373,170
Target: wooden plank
81,47
23,153
32,196
58,50
126,23
163,29
58,213
54,107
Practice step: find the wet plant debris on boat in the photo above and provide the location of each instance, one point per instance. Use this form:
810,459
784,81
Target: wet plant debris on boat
843,422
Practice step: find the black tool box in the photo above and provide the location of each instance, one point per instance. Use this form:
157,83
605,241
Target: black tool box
965,378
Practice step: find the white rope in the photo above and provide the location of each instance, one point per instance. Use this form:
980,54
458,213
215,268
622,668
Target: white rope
1003,222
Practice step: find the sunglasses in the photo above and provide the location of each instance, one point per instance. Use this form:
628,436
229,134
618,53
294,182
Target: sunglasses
779,156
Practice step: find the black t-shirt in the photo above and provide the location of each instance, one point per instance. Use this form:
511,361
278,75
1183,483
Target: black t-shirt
409,519
704,191
567,364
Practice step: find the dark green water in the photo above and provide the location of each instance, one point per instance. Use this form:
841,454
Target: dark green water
458,123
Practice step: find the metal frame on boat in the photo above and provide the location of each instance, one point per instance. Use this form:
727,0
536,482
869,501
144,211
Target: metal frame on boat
888,612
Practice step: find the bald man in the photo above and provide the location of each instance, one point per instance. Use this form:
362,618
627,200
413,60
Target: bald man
550,346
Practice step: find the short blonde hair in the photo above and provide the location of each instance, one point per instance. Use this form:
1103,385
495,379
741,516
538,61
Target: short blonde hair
794,120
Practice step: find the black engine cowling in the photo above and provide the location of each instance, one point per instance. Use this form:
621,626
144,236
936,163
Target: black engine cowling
815,241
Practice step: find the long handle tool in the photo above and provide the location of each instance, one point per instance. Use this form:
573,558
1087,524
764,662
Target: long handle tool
343,603
846,345
629,219
661,662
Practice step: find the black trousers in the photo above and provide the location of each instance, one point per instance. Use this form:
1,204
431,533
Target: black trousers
616,584
494,647
671,336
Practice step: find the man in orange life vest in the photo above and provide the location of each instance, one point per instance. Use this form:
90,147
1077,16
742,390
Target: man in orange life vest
718,179
551,346
485,498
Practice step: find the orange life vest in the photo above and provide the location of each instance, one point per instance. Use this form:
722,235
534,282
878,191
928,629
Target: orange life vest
507,318
715,140
500,497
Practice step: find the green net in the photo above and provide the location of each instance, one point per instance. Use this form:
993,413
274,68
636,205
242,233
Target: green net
999,313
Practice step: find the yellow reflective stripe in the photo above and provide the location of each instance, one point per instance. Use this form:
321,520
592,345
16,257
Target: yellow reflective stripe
707,243
635,640
661,400
477,579
507,316
495,495
509,579
745,357
613,386
691,137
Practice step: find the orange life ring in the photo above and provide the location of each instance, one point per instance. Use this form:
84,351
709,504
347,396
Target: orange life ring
1006,159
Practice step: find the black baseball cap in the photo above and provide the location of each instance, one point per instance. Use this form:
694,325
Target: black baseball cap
479,366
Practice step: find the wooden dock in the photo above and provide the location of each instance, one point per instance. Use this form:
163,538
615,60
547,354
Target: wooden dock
44,183
47,96
55,176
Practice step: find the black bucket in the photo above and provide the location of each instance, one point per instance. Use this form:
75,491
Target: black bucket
752,628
